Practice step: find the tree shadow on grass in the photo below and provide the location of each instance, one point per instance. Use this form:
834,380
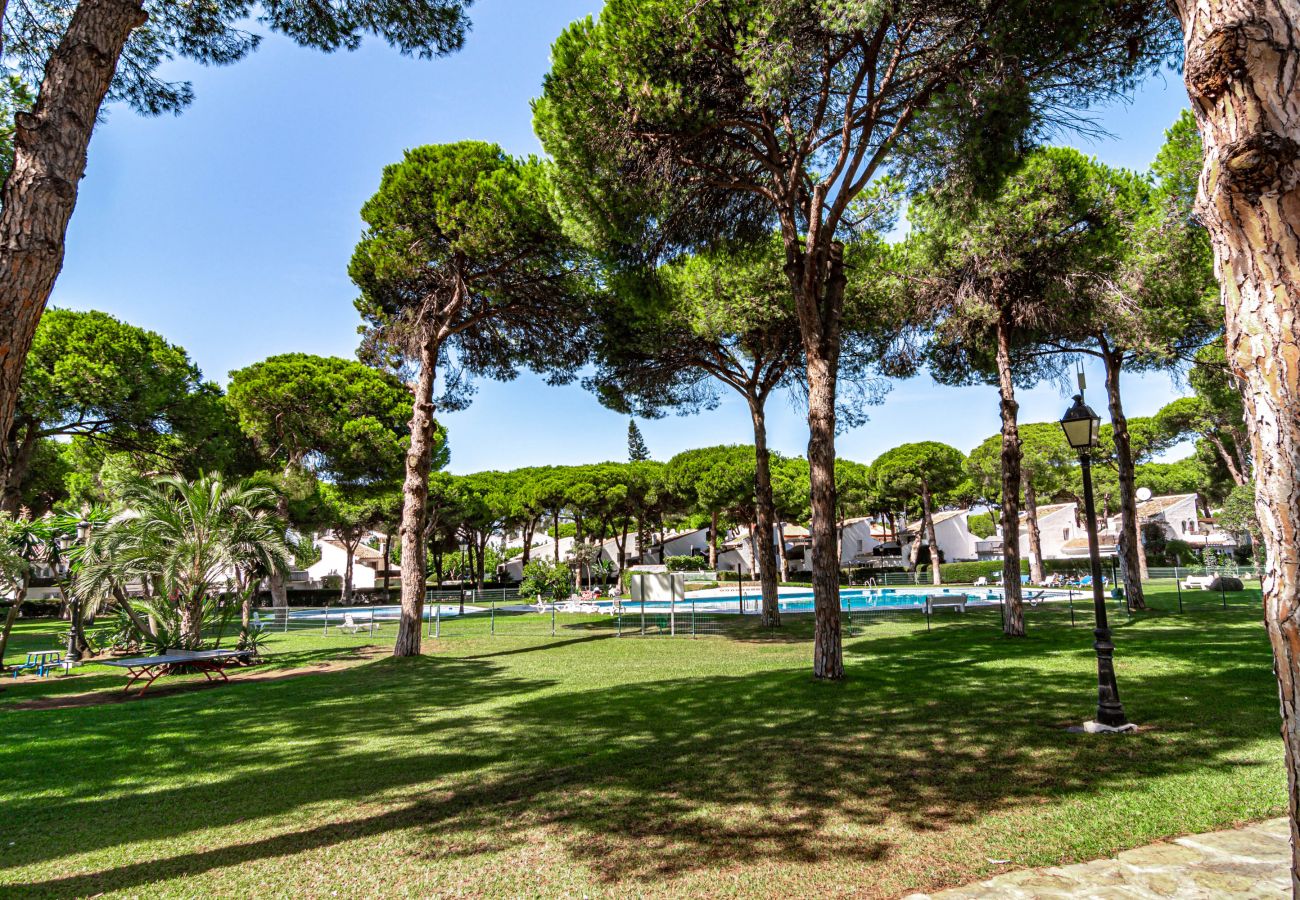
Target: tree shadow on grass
646,781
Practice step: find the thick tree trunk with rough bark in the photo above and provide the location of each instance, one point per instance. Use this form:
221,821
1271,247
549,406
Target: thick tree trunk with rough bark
1134,555
927,513
782,559
1034,533
1243,76
828,652
415,496
49,159
350,549
11,616
766,511
1013,614
18,457
191,616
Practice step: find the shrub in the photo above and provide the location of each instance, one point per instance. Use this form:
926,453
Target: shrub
686,563
547,578
965,572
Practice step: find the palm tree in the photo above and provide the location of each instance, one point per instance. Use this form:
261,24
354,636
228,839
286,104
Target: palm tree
193,541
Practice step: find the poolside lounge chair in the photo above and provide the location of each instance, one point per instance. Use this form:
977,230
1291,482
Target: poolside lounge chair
1033,598
981,582
351,624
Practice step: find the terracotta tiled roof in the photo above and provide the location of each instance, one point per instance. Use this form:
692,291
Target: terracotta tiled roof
1156,505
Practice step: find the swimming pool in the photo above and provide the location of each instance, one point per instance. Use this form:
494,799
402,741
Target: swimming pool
368,614
851,599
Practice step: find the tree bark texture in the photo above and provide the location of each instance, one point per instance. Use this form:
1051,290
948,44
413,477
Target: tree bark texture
927,509
1013,614
1034,533
713,540
18,457
50,145
415,497
1243,76
766,512
1134,555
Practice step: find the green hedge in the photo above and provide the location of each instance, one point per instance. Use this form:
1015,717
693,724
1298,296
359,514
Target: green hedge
687,563
966,572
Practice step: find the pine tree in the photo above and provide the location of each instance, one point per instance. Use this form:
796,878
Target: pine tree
636,448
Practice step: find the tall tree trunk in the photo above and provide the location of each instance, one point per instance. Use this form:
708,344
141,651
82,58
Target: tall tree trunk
529,530
191,616
622,554
1013,614
828,651
1031,526
766,509
1134,553
11,616
415,496
753,554
1234,470
927,512
780,551
713,540
18,457
349,548
1242,60
555,530
279,588
388,562
49,159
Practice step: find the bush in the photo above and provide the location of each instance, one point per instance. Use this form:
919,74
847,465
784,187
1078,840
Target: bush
981,525
966,572
547,578
686,563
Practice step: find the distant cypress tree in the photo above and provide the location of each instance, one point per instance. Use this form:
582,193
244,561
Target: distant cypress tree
636,448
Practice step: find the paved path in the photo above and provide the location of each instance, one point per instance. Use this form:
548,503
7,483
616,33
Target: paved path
1244,862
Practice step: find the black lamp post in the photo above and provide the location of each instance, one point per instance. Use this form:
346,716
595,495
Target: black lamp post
1082,428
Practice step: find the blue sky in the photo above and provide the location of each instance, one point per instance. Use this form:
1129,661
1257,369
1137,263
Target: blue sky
228,230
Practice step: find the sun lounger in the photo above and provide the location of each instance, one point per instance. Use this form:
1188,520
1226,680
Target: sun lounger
209,662
351,624
949,601
981,582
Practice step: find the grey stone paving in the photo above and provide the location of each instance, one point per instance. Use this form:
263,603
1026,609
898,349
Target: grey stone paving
1249,862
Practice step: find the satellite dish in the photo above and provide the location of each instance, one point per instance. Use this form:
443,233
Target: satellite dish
1143,494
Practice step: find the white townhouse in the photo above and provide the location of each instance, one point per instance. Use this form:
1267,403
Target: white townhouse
951,532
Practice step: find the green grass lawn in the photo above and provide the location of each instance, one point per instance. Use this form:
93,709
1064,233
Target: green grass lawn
585,764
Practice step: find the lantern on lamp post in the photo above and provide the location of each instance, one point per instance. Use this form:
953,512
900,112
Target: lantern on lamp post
1082,429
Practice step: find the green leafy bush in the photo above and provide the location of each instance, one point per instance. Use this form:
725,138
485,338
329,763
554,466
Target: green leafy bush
686,563
966,572
981,525
546,578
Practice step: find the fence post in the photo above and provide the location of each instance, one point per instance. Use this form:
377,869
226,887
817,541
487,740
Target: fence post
927,616
1071,590
1222,593
286,620
437,621
327,622
492,617
692,617
643,611
539,600
1178,586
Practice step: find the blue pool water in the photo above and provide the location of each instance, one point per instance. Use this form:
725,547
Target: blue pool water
850,599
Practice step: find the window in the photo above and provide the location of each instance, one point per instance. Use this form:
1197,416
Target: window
860,547
1065,534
